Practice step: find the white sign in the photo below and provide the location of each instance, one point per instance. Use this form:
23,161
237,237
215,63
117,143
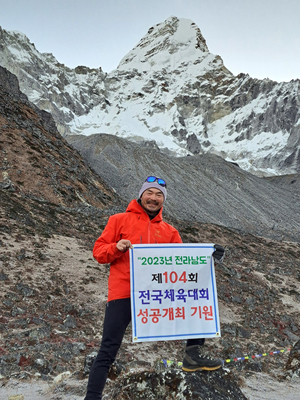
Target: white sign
173,292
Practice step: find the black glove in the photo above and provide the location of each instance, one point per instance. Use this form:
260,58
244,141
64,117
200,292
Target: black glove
218,254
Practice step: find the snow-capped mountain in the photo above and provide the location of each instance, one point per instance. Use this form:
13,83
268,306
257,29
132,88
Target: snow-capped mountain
171,89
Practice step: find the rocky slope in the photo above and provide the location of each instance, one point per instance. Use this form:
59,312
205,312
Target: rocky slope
203,187
170,89
53,298
53,293
36,161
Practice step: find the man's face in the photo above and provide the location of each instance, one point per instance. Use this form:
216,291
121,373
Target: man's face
152,200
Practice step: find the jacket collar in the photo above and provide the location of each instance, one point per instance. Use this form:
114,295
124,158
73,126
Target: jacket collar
136,208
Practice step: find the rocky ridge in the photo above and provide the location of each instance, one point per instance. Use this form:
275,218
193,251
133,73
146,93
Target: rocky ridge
172,90
36,161
53,293
52,86
200,188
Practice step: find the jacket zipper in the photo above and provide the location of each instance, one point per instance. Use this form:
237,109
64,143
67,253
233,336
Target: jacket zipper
149,231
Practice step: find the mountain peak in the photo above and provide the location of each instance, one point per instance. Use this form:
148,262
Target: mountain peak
167,43
169,88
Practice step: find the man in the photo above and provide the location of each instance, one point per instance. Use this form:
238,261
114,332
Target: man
141,223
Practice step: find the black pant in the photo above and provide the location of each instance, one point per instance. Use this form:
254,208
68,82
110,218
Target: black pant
117,318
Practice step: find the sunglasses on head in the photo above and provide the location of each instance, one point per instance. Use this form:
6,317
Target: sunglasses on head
160,181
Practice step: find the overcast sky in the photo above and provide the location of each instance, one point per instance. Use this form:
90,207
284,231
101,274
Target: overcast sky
258,37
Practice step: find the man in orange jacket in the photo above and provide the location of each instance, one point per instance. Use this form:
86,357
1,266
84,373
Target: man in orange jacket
141,223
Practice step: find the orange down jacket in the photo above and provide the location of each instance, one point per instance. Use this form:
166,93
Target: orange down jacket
136,226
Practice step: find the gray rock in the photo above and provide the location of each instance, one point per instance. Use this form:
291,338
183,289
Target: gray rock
39,333
43,366
25,290
172,383
88,362
70,322
3,276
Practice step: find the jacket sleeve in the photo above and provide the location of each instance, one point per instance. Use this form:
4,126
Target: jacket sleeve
105,248
176,237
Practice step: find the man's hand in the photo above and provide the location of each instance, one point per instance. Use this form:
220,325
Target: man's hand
123,245
218,254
